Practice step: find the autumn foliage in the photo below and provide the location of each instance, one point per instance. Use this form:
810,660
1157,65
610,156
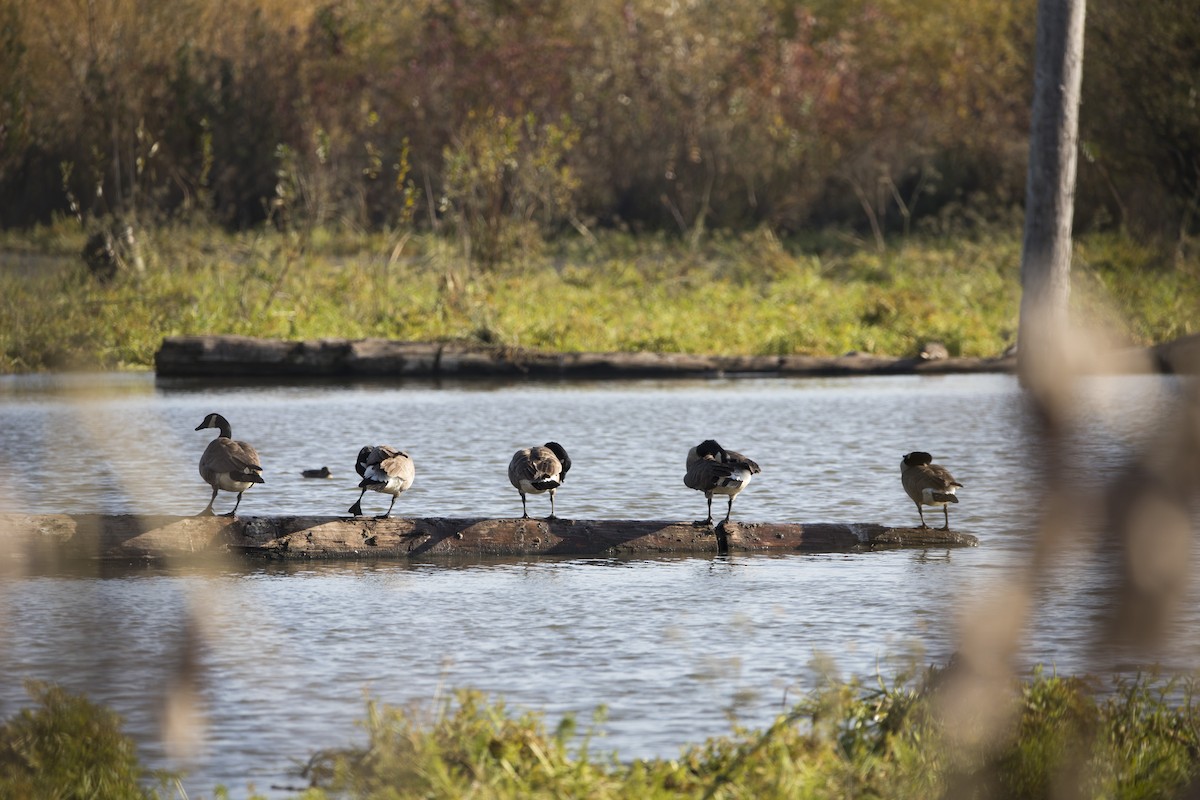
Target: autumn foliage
546,115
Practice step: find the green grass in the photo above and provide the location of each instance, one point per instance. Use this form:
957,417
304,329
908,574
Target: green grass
1063,737
735,294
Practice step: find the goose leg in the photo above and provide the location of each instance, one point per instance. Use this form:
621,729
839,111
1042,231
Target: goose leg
552,505
388,513
356,509
235,506
924,527
729,510
946,512
707,521
524,509
208,509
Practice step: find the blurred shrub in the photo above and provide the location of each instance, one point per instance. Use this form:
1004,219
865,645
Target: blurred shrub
68,748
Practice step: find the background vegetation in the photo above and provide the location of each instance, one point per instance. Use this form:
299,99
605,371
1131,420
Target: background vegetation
833,175
497,120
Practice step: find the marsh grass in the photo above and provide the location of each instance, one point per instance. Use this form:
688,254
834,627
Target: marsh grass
1137,738
733,294
1068,737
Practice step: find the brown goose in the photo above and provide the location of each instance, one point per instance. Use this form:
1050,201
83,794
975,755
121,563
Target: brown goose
714,470
383,469
227,464
539,469
928,484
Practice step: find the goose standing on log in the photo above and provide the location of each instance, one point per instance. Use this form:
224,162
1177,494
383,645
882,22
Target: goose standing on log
227,464
714,470
383,469
539,469
928,484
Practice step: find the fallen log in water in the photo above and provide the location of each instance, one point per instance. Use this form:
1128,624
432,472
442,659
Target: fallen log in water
250,357
244,356
42,538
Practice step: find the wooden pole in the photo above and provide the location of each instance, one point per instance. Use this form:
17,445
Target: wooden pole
1050,190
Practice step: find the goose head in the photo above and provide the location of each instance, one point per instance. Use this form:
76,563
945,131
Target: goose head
560,453
216,421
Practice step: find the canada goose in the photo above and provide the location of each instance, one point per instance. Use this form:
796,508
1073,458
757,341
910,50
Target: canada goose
539,469
227,464
383,469
714,470
323,472
928,484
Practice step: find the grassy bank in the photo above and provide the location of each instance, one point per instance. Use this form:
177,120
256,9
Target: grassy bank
1138,738
744,294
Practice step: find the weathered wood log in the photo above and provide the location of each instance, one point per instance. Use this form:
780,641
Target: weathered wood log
47,538
243,356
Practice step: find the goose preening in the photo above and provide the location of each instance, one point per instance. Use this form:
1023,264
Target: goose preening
714,470
227,464
539,469
383,469
323,472
928,484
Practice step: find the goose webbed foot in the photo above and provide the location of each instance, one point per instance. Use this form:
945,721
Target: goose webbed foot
207,512
229,514
551,518
388,515
703,523
356,510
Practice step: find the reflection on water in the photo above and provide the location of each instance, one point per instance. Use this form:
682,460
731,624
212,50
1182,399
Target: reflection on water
675,648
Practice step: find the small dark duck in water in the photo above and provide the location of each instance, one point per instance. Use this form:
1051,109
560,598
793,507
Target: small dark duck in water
323,472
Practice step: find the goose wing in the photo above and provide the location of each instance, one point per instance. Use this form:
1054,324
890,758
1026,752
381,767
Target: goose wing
705,474
736,459
228,456
938,477
398,465
928,478
535,466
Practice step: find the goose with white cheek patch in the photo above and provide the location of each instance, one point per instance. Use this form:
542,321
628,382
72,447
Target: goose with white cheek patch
383,469
535,470
928,484
714,470
227,464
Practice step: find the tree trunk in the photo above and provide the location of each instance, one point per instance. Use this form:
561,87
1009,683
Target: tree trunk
1050,190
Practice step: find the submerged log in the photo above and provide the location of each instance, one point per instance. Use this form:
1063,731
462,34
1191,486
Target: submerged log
244,356
47,538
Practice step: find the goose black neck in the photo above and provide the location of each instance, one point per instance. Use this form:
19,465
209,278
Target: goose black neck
222,426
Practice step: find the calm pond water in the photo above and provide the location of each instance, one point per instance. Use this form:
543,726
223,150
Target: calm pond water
675,648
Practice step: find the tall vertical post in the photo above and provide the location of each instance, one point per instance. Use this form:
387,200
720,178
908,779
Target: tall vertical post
1050,189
